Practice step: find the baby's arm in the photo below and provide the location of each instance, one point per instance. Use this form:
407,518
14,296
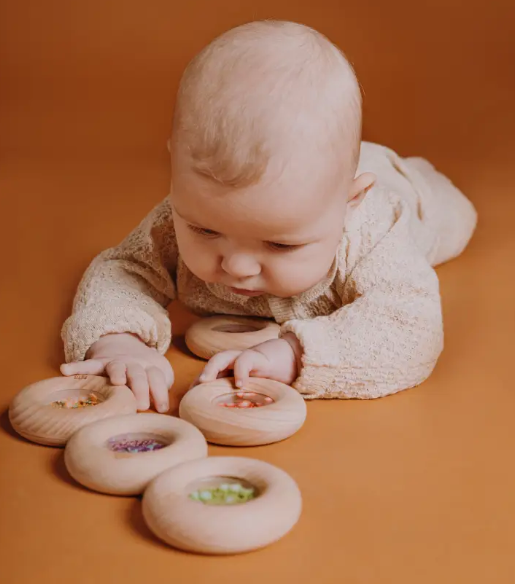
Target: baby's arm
388,338
119,323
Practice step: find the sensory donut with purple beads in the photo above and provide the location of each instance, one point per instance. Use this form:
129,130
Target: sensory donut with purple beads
121,455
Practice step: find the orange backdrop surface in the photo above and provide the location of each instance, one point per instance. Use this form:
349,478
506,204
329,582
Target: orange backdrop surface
414,488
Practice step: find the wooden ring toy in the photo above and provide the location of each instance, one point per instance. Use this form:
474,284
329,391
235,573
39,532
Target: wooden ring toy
121,455
50,411
209,336
265,411
222,505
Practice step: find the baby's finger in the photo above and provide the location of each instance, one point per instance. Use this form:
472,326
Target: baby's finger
137,380
217,364
89,367
169,375
158,388
117,372
243,366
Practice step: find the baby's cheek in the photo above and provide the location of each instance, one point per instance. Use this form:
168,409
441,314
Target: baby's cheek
200,259
294,275
288,278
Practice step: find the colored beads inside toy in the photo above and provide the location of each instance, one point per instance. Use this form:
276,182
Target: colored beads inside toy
246,400
224,494
75,403
133,446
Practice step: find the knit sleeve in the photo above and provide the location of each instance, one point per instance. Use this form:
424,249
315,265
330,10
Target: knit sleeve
388,335
127,288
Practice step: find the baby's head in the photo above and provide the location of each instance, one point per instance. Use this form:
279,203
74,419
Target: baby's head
264,148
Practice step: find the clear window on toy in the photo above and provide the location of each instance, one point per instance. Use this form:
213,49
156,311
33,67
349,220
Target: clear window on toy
244,400
137,442
222,491
74,399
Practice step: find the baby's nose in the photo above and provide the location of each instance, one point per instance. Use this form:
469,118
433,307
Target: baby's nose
240,266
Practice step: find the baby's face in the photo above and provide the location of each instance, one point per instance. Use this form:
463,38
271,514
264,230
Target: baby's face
276,237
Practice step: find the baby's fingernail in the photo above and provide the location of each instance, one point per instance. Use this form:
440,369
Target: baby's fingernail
239,384
161,408
202,378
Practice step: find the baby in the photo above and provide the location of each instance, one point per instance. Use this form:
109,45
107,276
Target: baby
278,210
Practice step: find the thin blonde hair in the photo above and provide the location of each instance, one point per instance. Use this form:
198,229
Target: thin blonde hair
260,86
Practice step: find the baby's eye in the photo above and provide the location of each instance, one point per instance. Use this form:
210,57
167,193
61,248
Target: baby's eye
282,246
202,231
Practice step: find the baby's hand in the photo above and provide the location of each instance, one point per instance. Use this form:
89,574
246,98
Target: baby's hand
126,360
275,359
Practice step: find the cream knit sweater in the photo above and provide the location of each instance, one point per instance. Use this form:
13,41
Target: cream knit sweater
371,328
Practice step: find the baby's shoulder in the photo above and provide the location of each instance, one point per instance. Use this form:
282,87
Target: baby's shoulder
163,212
375,218
374,158
385,201
377,213
156,230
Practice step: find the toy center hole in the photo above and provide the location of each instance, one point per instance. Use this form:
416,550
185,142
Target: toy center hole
74,399
222,491
243,400
238,328
135,443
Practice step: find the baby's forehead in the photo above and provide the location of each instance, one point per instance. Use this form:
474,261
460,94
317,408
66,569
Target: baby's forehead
272,211
302,165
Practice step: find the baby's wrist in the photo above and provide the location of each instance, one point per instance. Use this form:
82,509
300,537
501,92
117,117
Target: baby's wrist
296,347
118,340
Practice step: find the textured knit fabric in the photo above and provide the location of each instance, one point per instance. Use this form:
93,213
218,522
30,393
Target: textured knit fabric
371,328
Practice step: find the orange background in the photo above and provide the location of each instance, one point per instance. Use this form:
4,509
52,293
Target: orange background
422,484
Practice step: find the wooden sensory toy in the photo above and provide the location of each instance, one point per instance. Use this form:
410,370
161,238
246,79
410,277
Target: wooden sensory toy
50,411
211,335
222,505
121,455
265,411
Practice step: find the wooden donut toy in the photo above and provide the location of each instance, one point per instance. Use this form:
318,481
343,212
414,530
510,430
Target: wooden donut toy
211,335
265,411
222,505
50,411
121,455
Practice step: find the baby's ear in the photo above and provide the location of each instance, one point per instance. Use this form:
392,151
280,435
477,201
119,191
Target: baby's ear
359,188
